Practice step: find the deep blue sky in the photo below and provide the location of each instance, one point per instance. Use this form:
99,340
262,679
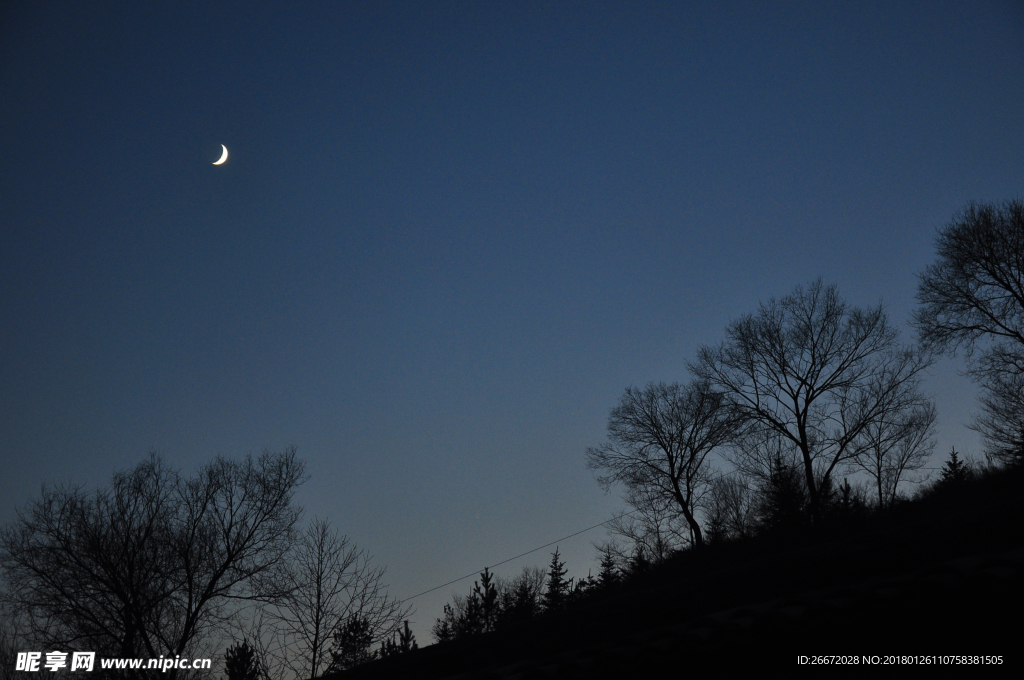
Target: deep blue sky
450,234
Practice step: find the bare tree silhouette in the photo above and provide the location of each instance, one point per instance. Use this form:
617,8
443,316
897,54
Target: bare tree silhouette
895,445
730,508
659,441
816,372
521,597
1001,421
325,581
152,564
973,299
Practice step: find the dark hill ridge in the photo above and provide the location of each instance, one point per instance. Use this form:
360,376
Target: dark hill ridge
939,576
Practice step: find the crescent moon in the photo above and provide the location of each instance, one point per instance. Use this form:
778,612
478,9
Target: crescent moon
223,156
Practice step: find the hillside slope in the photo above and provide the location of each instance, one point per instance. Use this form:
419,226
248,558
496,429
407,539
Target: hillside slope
940,576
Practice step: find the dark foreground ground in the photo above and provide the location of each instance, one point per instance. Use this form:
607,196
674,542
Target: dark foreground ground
940,577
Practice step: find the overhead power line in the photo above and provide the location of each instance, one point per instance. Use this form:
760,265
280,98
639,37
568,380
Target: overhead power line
498,564
564,538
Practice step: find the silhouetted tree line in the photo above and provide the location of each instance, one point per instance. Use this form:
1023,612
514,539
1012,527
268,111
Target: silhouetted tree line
163,564
808,392
499,604
800,396
354,641
762,440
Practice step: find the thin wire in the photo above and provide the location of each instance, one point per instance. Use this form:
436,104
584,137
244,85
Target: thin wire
564,538
498,564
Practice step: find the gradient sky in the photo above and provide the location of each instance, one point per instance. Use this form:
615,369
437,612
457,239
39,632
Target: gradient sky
450,234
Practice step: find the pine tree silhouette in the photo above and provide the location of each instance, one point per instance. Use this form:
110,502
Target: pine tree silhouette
352,643
470,620
558,587
847,502
639,563
609,573
406,639
519,600
955,471
406,643
240,662
444,627
487,595
581,588
784,502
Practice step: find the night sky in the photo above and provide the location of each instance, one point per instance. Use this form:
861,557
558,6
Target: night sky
449,235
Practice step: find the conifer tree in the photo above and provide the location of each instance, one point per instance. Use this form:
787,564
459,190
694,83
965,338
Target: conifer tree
469,618
240,662
783,502
520,598
487,595
639,562
609,573
558,586
955,471
352,643
406,639
406,643
444,627
580,588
